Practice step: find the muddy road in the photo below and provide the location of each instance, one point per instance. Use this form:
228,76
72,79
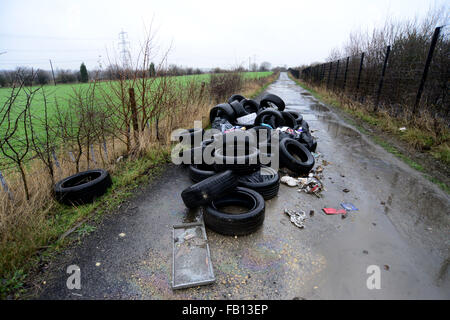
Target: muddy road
402,226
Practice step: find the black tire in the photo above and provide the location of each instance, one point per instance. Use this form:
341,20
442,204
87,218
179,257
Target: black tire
223,110
270,99
265,154
297,116
262,133
265,181
238,109
278,118
190,135
236,224
200,172
209,189
83,187
295,156
240,164
250,106
289,119
235,97
305,126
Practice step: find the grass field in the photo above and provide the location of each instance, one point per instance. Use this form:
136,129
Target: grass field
62,94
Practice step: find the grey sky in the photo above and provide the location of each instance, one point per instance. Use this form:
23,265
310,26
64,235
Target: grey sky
202,33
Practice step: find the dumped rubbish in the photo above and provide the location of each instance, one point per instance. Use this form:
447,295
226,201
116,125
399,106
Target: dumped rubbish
310,185
402,129
290,181
346,190
334,211
191,257
349,207
297,217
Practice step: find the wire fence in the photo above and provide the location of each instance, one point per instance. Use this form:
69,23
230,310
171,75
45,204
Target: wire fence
406,77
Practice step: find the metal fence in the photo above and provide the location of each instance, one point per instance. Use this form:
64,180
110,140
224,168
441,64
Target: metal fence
408,76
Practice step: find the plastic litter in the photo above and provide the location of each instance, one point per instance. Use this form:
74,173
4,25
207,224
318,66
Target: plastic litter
290,181
334,211
246,120
349,207
297,217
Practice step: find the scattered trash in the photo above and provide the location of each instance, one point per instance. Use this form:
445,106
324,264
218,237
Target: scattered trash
290,181
334,211
386,267
122,235
311,185
119,159
402,129
316,154
346,190
325,162
297,217
311,213
365,252
349,207
98,264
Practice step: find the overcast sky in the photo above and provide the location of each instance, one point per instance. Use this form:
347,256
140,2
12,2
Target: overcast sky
201,34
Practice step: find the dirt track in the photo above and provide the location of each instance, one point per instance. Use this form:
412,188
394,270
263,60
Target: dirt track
402,225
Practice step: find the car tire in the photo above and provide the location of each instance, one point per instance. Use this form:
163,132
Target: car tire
235,97
223,110
83,187
200,172
238,109
263,115
209,189
240,164
265,181
271,99
295,156
232,224
250,106
289,119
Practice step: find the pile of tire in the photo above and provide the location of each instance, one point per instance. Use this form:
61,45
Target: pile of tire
235,177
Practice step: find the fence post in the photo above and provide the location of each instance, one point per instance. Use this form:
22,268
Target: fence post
322,73
329,74
345,74
134,115
427,66
359,74
380,85
335,76
5,186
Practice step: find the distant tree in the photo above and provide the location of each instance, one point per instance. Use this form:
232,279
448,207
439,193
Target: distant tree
254,67
152,70
42,77
265,66
3,80
66,76
84,77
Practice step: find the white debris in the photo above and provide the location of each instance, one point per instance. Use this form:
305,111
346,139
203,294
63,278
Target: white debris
290,181
402,129
297,217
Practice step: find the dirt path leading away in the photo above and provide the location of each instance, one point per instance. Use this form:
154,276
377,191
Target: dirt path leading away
402,226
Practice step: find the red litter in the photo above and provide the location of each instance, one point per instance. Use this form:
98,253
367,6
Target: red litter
334,211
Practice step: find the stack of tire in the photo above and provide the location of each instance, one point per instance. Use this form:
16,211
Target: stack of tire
236,178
